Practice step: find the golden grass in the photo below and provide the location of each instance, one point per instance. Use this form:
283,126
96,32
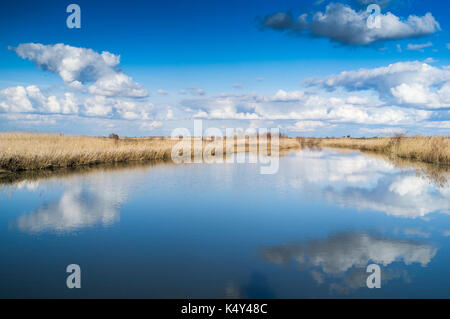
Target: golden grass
23,151
31,151
433,149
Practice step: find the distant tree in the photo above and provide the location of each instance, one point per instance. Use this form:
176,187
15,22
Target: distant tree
114,136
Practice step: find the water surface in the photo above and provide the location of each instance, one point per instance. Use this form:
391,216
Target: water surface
224,230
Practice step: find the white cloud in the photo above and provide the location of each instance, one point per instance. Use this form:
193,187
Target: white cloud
299,105
80,66
26,119
430,60
405,83
169,114
306,126
440,124
15,100
193,91
98,106
383,131
397,94
416,232
341,23
150,126
415,94
162,92
117,84
419,47
282,95
132,110
30,99
102,106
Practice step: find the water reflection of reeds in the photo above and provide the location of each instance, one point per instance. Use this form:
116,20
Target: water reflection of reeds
47,174
438,175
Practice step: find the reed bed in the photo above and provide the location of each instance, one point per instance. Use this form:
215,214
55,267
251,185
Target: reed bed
32,151
433,149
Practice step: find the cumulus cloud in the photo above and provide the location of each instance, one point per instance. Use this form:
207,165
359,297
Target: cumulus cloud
30,99
404,93
304,106
130,110
79,66
406,83
342,24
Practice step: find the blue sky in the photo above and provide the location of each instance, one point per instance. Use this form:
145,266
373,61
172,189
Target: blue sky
231,63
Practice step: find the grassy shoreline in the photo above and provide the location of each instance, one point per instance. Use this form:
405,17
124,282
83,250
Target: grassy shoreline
32,151
428,149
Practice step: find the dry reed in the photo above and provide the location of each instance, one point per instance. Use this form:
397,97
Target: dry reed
31,151
433,149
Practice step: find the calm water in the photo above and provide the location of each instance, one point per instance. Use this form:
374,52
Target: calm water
213,231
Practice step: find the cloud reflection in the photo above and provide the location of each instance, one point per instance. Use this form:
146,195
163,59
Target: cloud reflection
347,255
85,202
369,183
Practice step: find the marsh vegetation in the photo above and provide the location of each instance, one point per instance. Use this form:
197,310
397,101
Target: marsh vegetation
32,151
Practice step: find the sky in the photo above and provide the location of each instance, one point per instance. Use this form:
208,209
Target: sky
308,67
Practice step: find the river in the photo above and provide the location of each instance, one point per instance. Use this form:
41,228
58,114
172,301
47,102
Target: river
226,231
